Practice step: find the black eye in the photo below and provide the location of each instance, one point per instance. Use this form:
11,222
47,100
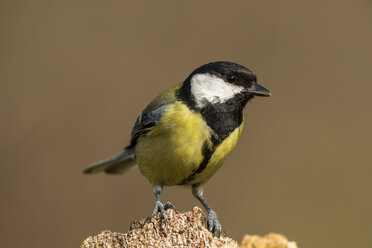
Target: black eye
231,78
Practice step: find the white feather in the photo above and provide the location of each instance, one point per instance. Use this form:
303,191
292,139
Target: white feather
212,89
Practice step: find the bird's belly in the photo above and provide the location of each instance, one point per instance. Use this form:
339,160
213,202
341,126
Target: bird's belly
172,150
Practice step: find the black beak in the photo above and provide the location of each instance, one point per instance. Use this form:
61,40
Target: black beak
259,90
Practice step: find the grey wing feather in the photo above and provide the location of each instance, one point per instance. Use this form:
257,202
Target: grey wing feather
146,122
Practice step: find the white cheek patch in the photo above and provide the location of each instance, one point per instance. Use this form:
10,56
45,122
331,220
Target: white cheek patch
212,89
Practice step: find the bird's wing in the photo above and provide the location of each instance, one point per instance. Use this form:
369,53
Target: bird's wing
145,122
151,115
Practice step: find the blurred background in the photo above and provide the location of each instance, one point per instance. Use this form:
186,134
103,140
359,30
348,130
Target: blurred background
74,76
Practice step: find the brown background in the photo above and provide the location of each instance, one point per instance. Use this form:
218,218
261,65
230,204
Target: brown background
74,76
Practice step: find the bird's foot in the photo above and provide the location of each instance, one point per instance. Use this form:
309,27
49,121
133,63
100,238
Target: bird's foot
214,225
169,205
160,207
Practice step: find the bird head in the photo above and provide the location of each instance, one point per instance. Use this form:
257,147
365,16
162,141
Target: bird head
221,83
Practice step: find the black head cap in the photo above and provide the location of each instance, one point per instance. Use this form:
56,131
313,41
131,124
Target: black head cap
227,70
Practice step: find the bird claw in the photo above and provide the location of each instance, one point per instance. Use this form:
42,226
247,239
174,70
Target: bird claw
214,225
159,207
169,205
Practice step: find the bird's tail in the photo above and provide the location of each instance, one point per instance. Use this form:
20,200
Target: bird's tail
116,164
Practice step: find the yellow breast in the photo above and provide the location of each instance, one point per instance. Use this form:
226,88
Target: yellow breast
173,149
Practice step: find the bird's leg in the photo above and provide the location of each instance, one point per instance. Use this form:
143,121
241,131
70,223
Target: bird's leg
213,224
160,207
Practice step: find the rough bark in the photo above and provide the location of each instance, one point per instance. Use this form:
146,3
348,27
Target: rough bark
186,229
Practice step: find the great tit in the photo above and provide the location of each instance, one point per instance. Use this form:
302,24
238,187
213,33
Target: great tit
186,133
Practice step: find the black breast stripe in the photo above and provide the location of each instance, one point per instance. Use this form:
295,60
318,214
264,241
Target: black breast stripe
207,154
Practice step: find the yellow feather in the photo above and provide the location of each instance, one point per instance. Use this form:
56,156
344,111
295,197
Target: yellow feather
172,150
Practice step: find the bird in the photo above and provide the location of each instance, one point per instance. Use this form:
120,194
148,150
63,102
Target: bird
185,134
